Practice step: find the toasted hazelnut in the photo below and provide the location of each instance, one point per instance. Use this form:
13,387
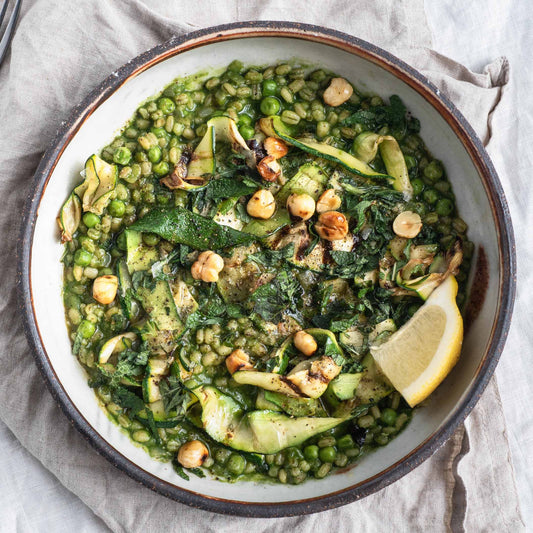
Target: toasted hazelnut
261,204
207,267
105,289
301,206
275,147
305,342
338,91
332,226
193,454
328,201
407,224
269,168
238,360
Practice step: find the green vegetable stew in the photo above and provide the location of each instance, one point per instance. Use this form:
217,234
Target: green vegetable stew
232,255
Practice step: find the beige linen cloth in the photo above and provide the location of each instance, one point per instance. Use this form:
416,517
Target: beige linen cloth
60,52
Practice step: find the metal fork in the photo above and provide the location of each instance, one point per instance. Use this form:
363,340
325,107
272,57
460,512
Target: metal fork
10,27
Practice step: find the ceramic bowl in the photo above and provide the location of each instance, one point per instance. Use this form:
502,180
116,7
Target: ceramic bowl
448,136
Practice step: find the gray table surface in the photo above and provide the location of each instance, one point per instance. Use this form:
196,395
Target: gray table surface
32,500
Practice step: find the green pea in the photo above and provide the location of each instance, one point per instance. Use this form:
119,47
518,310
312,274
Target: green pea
161,169
418,186
311,452
434,170
122,156
166,105
431,196
245,120
86,329
154,154
117,208
161,133
236,464
444,207
270,105
410,162
247,132
150,239
270,88
389,416
90,220
82,257
327,454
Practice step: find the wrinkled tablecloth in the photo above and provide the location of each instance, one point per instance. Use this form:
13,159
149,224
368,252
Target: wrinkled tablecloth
60,52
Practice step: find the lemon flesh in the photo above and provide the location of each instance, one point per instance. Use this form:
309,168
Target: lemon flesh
418,357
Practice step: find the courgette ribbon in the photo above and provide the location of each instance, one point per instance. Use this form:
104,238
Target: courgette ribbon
92,195
366,147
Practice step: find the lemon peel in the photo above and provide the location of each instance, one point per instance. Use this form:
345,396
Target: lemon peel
418,357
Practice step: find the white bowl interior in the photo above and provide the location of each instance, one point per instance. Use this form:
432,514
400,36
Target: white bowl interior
102,125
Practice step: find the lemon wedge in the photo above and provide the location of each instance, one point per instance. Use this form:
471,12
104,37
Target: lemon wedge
418,357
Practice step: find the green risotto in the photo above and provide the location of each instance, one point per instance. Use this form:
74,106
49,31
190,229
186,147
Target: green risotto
233,254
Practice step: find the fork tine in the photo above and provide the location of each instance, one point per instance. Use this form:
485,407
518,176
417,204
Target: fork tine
3,12
10,28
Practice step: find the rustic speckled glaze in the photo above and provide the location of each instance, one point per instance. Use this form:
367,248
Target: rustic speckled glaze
448,136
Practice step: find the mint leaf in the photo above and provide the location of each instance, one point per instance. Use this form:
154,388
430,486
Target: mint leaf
331,350
127,400
359,212
174,395
272,258
271,299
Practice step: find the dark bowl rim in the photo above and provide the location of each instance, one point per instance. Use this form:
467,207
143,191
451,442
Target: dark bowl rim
390,63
